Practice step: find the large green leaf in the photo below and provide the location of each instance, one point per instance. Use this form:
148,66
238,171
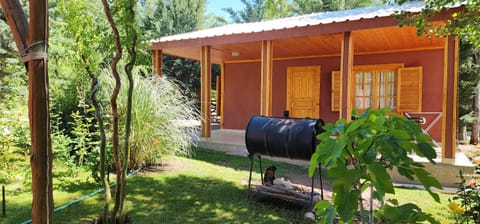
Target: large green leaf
428,181
380,178
406,213
346,203
426,150
353,126
345,199
325,211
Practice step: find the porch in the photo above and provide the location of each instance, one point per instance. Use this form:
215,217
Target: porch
233,142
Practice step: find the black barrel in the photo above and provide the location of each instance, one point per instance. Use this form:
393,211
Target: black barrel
292,138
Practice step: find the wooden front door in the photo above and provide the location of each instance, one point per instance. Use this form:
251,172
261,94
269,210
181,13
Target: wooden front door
303,91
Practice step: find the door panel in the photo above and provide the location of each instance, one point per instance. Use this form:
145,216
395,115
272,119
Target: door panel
303,91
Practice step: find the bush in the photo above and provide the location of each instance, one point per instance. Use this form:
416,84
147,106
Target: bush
359,153
466,203
163,119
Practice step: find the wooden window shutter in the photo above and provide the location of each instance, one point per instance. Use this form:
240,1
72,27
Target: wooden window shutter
336,85
409,89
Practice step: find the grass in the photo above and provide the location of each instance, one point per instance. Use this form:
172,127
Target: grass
209,188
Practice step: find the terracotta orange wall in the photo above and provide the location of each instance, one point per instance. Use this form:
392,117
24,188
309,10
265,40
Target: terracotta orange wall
432,62
242,94
242,85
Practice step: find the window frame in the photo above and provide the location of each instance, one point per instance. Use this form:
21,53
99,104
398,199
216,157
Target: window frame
375,71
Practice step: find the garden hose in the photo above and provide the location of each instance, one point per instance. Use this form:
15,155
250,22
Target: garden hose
73,202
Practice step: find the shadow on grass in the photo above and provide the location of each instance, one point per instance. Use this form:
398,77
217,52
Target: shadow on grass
185,199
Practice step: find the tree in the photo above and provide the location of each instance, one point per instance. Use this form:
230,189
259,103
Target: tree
82,25
162,18
32,44
334,5
276,9
301,7
464,24
254,11
468,91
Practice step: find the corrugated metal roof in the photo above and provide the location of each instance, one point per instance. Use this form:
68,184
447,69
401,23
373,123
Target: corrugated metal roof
298,21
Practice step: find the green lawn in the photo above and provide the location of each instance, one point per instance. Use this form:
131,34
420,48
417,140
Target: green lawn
208,188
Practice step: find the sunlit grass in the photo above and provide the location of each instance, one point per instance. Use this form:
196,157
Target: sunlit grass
208,188
421,198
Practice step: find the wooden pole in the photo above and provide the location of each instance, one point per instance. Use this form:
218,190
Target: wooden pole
449,109
266,78
206,85
346,75
32,45
41,158
4,205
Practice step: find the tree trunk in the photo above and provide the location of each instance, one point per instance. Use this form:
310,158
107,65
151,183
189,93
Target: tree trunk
94,86
113,102
475,124
131,49
34,57
462,133
476,108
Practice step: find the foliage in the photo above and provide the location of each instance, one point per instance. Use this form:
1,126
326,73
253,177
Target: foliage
468,87
9,57
465,24
360,155
276,9
253,12
468,197
79,41
301,7
162,119
162,18
258,10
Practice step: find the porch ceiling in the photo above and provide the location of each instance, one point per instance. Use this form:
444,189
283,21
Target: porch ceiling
367,41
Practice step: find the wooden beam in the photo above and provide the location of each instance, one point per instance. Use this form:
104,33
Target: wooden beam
157,62
17,21
346,73
205,89
222,94
266,78
449,101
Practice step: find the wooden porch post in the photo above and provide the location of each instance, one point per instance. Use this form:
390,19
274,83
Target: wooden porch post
266,78
205,89
346,72
222,95
449,109
32,43
157,62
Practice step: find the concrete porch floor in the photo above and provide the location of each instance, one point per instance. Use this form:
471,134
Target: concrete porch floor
233,142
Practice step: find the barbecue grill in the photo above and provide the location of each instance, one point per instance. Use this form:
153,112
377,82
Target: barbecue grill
292,138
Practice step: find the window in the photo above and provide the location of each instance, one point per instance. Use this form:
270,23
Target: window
375,89
379,86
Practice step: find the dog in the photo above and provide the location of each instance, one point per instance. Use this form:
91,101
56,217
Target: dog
269,176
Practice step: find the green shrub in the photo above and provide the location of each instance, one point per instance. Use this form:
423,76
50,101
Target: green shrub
359,153
466,203
163,119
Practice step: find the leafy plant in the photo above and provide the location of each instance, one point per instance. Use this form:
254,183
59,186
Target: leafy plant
358,155
171,117
468,196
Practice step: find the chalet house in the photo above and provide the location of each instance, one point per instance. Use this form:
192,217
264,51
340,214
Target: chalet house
324,65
